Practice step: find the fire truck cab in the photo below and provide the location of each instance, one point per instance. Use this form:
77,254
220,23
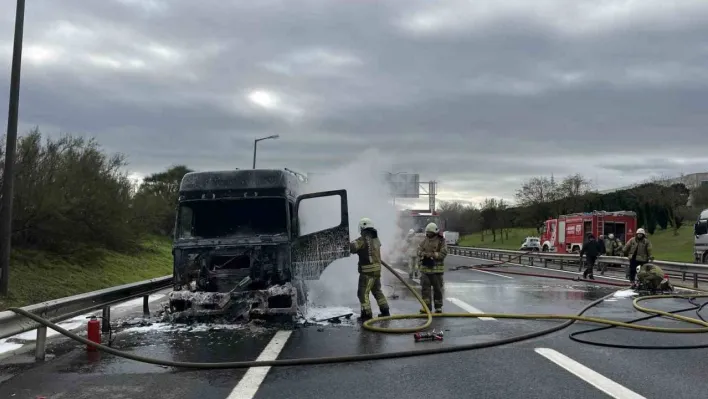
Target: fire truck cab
567,233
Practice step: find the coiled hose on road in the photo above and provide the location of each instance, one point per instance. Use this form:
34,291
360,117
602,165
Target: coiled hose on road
369,325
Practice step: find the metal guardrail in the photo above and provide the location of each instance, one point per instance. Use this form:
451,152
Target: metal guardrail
65,308
547,258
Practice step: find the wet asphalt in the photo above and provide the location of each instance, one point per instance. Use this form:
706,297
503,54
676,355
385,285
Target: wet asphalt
517,370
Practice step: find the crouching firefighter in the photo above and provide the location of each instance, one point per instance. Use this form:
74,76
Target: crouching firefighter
432,252
652,278
368,248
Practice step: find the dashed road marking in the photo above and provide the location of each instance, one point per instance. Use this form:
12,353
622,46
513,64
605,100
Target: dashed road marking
590,376
494,274
252,380
467,307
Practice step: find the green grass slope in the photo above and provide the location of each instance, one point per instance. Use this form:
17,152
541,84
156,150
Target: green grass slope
667,246
37,276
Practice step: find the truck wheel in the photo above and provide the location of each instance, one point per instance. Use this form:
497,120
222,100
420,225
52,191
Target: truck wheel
545,248
575,250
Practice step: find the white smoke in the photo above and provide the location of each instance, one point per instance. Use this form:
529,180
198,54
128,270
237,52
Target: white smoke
367,197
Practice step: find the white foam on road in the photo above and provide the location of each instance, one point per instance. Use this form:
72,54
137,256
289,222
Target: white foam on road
588,375
318,313
624,294
71,324
467,307
252,380
170,327
8,346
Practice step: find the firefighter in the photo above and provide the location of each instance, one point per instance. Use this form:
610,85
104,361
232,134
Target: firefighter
591,250
432,252
368,248
651,277
639,251
601,248
612,247
412,254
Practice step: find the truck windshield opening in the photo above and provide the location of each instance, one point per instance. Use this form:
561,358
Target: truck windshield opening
232,218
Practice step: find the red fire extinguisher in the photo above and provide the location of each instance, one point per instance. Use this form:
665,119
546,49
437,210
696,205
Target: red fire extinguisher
93,333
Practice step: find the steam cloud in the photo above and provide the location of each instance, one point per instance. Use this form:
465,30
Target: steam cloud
368,197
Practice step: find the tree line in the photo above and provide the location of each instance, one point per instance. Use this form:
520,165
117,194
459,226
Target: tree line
72,198
658,205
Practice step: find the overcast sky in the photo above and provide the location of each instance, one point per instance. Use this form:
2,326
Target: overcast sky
479,95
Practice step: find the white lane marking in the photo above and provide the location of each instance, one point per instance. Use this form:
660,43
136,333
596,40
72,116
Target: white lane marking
590,376
252,380
494,274
468,308
404,273
542,268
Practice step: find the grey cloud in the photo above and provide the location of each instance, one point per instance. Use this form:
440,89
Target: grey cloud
504,96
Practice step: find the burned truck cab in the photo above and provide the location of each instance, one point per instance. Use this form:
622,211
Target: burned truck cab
237,249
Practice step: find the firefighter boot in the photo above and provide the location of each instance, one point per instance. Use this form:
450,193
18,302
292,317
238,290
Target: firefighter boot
365,316
385,312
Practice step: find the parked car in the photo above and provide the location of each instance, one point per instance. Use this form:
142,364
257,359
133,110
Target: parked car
531,244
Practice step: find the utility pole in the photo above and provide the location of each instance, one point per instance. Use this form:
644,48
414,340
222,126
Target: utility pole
10,148
255,144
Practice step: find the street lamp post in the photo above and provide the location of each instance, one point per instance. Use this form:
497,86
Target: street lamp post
255,144
11,146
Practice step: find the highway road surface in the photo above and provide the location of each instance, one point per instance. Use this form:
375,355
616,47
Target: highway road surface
547,367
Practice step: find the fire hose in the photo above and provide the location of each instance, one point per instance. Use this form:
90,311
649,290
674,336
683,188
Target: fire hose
369,325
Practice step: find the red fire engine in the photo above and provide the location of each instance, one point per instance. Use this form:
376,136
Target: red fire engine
567,233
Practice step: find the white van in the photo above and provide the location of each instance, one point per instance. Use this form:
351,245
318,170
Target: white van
451,237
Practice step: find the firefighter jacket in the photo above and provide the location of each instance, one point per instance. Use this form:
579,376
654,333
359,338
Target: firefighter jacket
432,252
368,248
612,247
642,249
412,243
650,274
591,249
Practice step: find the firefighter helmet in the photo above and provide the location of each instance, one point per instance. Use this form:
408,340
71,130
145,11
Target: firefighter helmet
641,231
365,223
432,228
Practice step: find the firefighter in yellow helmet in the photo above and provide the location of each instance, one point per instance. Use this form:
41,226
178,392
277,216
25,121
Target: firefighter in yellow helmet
368,248
432,252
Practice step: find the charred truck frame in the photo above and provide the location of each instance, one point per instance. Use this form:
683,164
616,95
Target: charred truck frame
237,250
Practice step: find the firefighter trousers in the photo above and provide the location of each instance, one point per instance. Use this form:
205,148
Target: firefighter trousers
412,265
370,284
589,266
432,284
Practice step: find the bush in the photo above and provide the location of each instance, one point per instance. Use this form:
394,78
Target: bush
71,197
